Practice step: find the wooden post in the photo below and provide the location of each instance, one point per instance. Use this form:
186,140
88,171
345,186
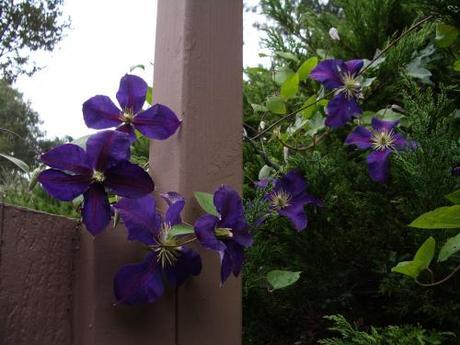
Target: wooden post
198,73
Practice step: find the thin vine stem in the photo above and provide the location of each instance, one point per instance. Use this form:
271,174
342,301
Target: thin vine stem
439,282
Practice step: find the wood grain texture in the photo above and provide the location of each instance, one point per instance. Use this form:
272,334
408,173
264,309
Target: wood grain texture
36,277
198,73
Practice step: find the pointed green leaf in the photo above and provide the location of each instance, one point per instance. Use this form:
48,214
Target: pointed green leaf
280,279
276,105
149,96
180,229
421,261
265,172
306,68
206,202
449,248
259,108
19,163
287,56
290,87
310,106
447,217
454,197
282,75
408,268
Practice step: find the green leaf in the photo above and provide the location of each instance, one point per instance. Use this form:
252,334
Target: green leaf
306,68
316,124
140,66
310,106
206,202
265,172
454,197
446,35
81,141
449,248
457,66
280,279
180,229
149,96
290,87
19,163
282,75
258,108
276,105
421,261
447,217
287,56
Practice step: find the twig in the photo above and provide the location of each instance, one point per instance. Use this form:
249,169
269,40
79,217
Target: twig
439,282
262,154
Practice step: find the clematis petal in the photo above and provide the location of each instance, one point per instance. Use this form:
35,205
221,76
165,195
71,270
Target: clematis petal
242,237
63,186
128,129
378,165
128,180
99,112
226,266
229,206
400,142
354,66
361,137
140,218
293,183
205,227
139,283
68,157
327,73
96,210
158,122
131,93
296,214
176,204
340,110
380,125
107,148
188,263
236,253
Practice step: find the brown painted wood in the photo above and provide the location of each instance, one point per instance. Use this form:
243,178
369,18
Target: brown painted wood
36,276
198,73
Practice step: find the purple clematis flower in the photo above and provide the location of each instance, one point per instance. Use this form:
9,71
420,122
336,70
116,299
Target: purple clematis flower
289,196
157,122
142,282
383,140
341,76
103,166
226,233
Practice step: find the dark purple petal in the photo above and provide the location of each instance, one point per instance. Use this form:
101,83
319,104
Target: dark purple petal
63,186
354,66
96,210
293,183
187,264
131,93
176,204
340,110
306,199
263,183
128,180
400,142
381,125
296,214
205,233
107,148
232,261
378,165
456,171
229,206
242,237
68,157
128,129
327,73
99,112
361,137
158,122
139,283
140,218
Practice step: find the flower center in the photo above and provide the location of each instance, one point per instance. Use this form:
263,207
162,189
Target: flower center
280,199
224,232
351,86
167,249
98,176
127,116
382,140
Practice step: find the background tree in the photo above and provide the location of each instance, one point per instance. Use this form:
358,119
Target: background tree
27,26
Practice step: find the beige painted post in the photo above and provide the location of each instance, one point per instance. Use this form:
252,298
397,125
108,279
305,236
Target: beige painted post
198,73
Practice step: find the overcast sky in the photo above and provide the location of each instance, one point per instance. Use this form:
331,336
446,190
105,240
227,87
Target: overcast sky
106,39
